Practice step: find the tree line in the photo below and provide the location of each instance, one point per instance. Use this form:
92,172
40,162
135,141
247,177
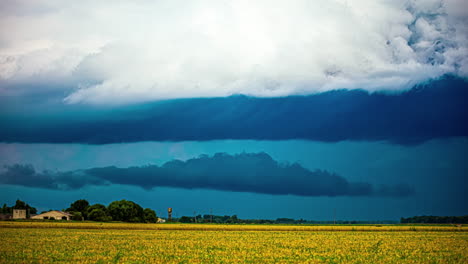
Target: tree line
123,210
226,219
128,211
430,219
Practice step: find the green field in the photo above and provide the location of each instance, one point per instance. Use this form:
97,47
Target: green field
46,242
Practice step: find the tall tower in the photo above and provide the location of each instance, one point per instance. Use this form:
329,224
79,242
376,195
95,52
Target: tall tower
169,214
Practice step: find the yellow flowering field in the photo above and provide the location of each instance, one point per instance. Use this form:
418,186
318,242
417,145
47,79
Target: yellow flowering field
225,227
44,242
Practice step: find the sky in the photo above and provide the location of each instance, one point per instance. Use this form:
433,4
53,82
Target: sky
266,109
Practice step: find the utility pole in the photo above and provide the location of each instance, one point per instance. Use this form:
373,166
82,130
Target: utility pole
211,215
195,216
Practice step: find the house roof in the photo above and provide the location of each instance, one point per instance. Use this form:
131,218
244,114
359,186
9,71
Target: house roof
60,212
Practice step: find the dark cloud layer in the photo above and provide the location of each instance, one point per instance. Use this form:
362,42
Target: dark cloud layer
26,175
257,173
435,110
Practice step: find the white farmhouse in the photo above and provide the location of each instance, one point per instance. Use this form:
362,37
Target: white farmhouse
53,215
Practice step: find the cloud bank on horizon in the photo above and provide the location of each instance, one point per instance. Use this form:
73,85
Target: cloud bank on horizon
434,110
245,172
104,52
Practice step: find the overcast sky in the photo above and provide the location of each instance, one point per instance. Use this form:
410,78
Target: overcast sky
271,108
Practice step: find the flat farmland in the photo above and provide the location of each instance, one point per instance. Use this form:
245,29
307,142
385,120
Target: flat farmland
63,242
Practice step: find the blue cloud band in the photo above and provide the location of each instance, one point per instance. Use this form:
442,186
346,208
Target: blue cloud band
246,172
434,110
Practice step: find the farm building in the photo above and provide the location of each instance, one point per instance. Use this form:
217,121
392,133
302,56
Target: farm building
19,214
53,215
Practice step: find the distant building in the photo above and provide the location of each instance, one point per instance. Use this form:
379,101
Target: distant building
19,213
5,216
53,215
161,220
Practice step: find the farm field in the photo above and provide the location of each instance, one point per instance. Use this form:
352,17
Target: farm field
45,242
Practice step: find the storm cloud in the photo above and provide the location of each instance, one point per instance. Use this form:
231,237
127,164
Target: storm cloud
26,175
433,110
246,172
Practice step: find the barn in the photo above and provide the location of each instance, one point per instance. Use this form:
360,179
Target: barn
19,214
53,215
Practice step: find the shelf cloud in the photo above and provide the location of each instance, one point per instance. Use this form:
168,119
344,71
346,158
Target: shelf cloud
434,110
246,172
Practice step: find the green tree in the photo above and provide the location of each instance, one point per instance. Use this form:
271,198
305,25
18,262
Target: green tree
126,211
79,206
185,219
77,216
150,216
96,206
5,209
19,205
98,214
233,219
32,210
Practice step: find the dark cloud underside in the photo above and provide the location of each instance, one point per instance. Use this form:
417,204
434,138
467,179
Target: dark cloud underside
257,173
435,110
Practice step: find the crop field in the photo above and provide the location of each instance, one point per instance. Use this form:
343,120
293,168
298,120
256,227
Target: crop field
46,242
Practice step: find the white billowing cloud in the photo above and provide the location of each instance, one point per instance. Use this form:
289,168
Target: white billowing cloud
131,51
